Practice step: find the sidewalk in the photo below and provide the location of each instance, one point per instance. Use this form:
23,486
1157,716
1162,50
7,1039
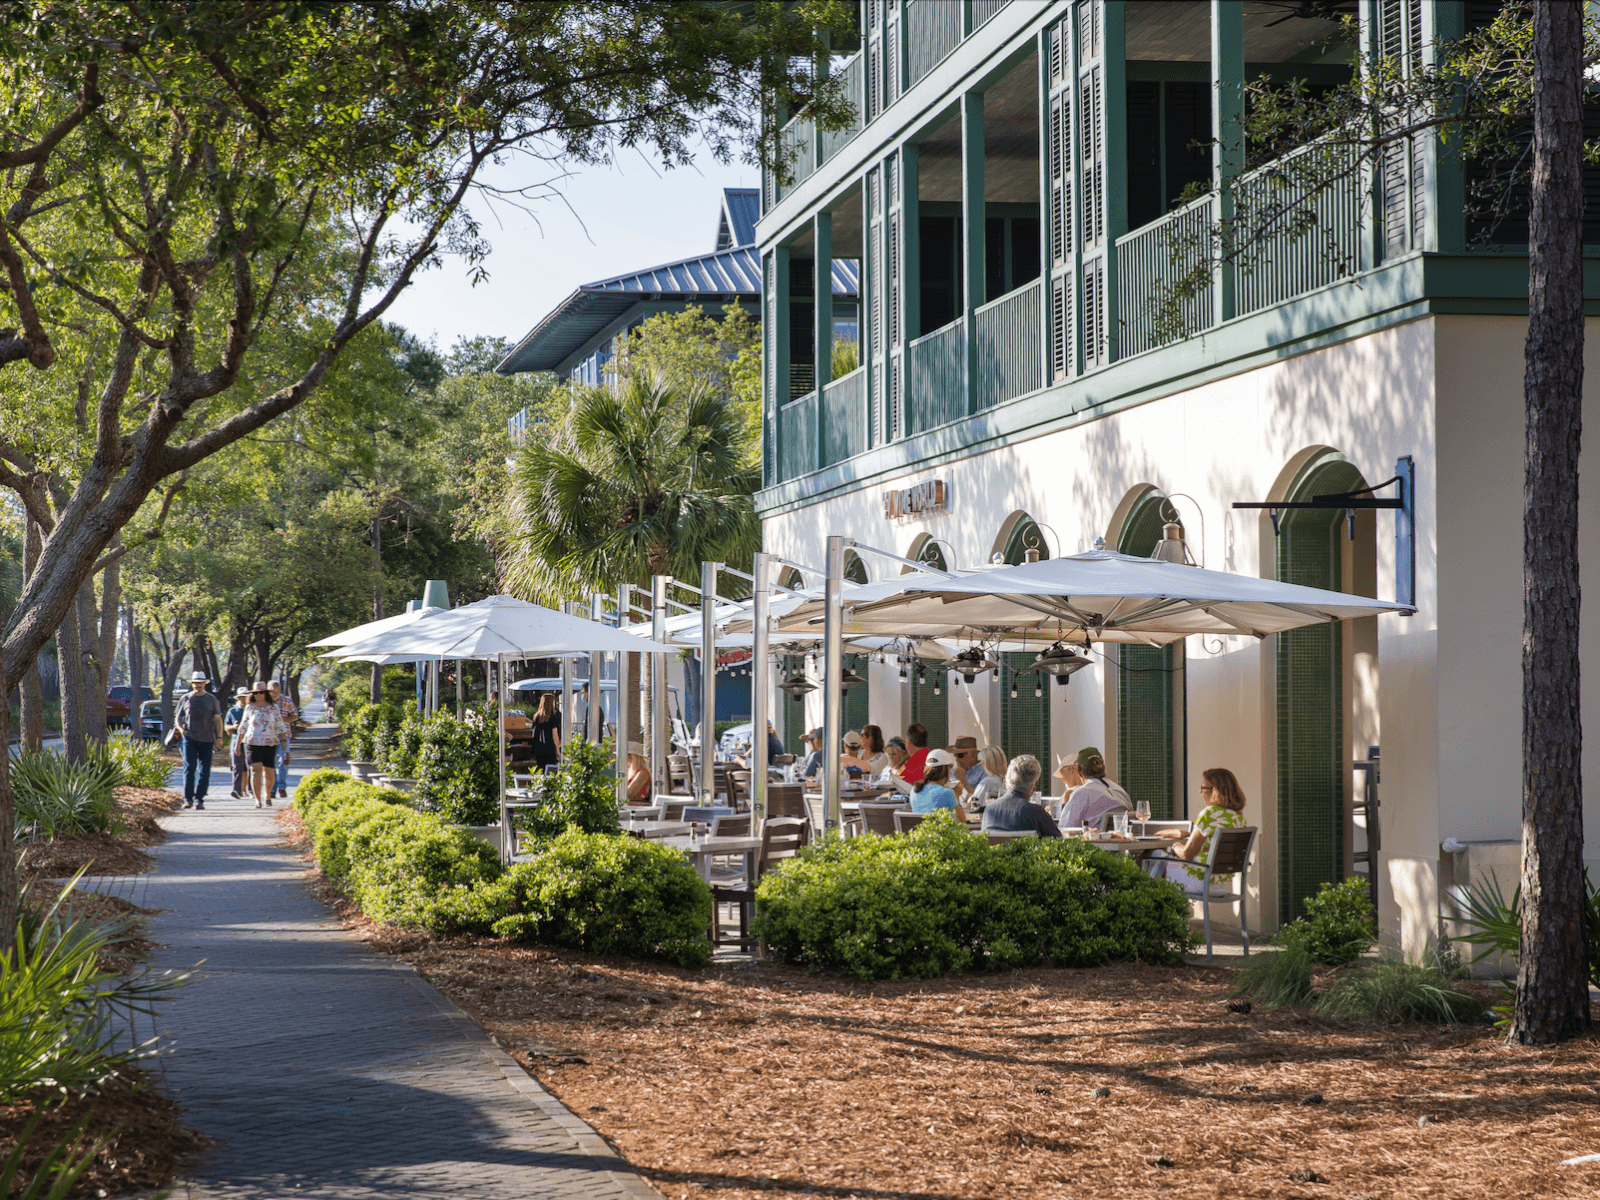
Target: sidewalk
322,1070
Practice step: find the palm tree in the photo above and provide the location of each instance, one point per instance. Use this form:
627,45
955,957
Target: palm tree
643,479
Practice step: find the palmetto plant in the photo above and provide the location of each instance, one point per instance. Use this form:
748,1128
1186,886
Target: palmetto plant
55,798
639,480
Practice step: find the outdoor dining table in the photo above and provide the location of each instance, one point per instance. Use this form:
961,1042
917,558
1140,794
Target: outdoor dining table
654,828
1140,848
704,850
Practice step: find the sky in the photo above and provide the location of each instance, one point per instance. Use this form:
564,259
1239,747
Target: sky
614,220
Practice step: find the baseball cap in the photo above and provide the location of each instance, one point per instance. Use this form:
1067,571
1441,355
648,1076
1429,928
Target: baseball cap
852,738
815,735
940,758
1087,753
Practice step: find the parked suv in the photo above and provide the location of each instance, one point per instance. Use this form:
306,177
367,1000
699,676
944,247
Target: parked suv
117,704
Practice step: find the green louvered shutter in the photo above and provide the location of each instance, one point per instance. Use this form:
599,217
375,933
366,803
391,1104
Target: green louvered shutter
1147,682
1310,711
1025,720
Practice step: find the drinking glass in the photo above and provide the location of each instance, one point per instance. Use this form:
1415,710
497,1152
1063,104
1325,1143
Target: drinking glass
1142,810
1119,822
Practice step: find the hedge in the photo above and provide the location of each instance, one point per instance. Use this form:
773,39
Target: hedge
605,893
940,900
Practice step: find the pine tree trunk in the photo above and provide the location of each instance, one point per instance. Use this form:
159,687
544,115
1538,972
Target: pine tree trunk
32,685
1552,979
69,659
9,883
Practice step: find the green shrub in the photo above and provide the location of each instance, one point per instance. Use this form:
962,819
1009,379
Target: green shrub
400,748
1497,924
399,685
402,872
139,761
327,798
941,900
582,791
1393,990
386,732
361,730
314,783
349,829
607,894
1275,979
1339,925
458,766
55,798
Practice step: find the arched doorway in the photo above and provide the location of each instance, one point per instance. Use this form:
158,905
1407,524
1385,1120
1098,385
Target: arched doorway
1313,671
1024,694
927,551
1150,687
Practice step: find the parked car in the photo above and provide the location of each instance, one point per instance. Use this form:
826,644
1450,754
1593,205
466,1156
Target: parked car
150,719
117,704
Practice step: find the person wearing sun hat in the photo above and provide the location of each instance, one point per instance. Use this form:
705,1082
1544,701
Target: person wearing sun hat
198,718
1097,797
261,730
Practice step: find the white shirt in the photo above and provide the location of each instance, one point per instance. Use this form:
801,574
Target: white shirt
1093,799
988,788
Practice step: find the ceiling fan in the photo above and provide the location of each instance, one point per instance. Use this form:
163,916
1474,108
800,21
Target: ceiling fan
1310,10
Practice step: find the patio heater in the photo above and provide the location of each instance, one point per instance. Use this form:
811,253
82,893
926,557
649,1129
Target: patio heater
660,742
832,672
597,710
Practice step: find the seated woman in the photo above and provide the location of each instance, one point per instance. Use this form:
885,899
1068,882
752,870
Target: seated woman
895,751
932,792
993,761
1224,810
639,781
872,748
1094,802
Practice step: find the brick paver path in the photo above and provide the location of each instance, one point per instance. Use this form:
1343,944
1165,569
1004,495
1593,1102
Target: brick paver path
323,1070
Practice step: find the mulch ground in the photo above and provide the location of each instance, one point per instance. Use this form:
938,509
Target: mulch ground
107,854
754,1080
145,1143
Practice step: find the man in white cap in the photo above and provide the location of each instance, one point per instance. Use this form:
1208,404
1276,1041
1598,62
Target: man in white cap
198,719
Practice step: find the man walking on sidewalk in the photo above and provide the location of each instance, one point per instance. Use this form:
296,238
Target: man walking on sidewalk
288,712
198,719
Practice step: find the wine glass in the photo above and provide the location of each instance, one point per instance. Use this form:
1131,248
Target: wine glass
1142,810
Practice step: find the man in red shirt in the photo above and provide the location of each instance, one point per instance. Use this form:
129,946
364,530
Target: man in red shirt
916,761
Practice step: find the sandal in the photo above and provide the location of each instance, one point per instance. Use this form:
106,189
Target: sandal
258,804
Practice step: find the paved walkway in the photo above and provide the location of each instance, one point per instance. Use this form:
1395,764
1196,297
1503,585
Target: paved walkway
326,1071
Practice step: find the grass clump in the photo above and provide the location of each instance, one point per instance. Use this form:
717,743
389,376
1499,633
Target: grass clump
1392,990
54,798
138,760
1276,978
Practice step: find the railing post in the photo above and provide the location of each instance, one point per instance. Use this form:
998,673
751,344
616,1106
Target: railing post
1227,133
1115,66
973,230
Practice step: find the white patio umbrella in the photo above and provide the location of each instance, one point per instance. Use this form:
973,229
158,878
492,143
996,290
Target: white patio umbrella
1098,596
499,629
374,628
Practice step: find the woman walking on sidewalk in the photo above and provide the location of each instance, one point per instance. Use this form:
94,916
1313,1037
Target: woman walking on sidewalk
237,756
262,729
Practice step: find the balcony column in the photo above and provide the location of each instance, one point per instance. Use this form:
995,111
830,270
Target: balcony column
775,333
822,320
1227,132
1447,190
972,235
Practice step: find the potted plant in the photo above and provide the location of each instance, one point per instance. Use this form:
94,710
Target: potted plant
359,741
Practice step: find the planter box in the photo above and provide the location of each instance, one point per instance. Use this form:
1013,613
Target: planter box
363,770
401,785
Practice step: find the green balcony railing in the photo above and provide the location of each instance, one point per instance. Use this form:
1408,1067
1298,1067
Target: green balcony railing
1298,242
1008,333
797,437
936,384
844,417
1153,263
933,30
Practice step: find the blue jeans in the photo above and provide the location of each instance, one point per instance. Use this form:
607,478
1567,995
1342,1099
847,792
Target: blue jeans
281,782
196,768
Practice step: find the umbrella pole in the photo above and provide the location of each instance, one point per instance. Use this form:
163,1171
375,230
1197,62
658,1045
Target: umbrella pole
832,673
760,695
569,721
624,726
505,820
658,685
708,681
461,694
597,710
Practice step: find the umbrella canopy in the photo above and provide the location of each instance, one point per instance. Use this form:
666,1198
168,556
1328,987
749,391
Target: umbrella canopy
1099,596
496,627
374,628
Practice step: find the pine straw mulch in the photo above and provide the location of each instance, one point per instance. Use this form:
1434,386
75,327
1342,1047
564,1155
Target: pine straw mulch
755,1080
107,854
145,1142
95,907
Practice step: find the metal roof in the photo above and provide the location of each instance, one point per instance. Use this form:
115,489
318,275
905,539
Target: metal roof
712,278
736,224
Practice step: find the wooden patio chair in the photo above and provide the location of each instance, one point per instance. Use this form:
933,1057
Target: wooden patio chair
879,818
787,800
781,838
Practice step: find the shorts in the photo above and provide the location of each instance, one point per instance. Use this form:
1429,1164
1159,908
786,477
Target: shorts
266,756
